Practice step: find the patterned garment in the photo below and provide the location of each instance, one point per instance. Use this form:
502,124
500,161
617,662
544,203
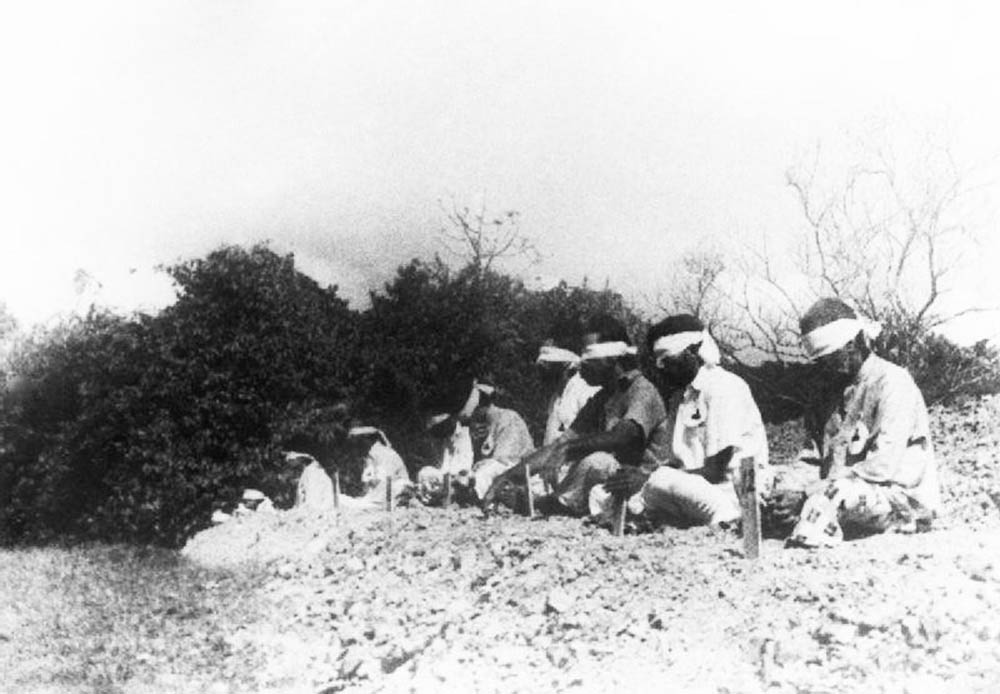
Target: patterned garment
877,446
856,507
881,431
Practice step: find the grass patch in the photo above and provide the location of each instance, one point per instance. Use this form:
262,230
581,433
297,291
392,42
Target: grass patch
102,618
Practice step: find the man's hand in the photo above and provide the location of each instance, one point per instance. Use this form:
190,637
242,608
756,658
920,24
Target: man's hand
715,466
626,482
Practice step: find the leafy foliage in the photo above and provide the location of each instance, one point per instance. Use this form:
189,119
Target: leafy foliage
137,428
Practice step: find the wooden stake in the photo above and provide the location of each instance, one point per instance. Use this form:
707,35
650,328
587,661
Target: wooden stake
618,523
336,490
447,489
750,507
527,487
388,494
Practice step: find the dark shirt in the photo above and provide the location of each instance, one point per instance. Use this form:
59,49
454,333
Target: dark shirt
635,400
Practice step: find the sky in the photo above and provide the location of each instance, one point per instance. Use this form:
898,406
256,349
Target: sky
140,133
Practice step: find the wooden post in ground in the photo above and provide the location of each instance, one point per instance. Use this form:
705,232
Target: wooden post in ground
388,494
527,487
750,506
447,489
620,508
336,490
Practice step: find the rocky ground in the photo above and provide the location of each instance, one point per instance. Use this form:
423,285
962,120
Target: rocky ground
448,601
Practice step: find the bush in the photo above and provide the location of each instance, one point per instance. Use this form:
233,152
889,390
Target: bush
135,429
433,324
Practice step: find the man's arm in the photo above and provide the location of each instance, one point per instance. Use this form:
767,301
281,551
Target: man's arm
899,405
570,448
715,466
625,439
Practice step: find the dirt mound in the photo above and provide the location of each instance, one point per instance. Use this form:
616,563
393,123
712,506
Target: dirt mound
446,600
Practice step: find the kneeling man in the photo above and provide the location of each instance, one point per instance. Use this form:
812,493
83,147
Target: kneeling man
712,424
875,457
616,426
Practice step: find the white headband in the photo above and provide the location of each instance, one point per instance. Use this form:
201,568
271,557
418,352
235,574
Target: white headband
485,388
548,354
672,345
436,419
607,350
368,431
828,338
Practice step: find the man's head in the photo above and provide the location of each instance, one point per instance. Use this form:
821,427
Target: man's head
677,342
362,437
835,338
607,351
450,404
556,361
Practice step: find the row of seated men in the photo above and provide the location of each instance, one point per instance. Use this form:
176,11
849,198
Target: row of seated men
611,436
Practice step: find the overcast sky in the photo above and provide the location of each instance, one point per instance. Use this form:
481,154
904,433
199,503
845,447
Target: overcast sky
138,133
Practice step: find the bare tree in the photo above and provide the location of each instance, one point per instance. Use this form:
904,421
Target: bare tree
482,239
885,235
694,285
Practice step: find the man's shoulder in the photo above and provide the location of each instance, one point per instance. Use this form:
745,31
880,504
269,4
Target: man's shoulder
727,382
887,373
641,389
505,415
639,384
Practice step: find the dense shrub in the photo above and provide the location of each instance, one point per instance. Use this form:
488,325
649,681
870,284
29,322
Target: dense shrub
136,428
432,324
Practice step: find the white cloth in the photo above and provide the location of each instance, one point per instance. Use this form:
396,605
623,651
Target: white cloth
715,411
676,496
457,456
565,405
673,345
548,354
381,463
607,350
368,431
315,489
830,337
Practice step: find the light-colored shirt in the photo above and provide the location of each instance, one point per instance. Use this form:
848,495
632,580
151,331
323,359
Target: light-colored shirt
881,431
500,434
457,455
383,462
315,488
714,412
566,405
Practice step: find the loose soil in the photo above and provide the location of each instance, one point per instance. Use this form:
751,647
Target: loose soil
445,600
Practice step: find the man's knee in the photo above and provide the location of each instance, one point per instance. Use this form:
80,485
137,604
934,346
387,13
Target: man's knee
665,480
599,464
429,475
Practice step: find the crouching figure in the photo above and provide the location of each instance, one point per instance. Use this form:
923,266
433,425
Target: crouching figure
712,423
876,459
